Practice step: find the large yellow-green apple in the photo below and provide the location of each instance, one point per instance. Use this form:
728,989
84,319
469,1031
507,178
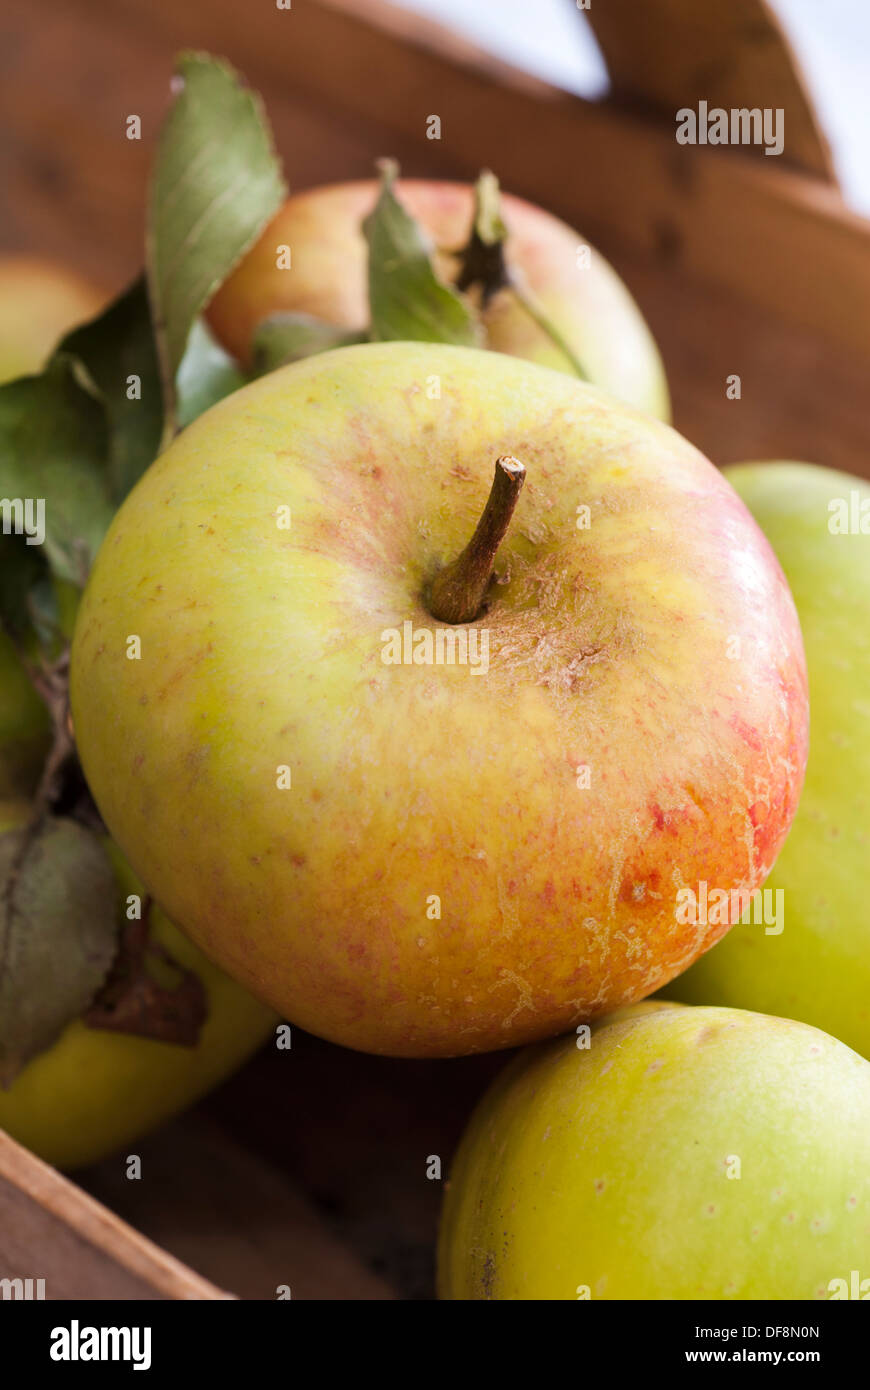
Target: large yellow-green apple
818,967
436,857
687,1153
588,304
40,301
94,1092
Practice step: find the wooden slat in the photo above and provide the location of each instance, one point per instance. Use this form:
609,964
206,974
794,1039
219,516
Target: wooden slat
72,187
775,237
802,397
340,89
739,265
666,54
234,1216
51,1230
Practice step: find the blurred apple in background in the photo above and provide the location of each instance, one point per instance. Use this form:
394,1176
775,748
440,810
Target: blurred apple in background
433,858
40,301
687,1153
586,302
818,968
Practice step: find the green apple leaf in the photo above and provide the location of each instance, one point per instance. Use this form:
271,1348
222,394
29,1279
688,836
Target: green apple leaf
205,376
408,302
47,616
58,934
32,615
216,182
53,452
23,573
119,355
284,338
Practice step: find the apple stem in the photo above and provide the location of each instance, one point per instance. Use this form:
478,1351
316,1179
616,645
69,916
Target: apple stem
457,592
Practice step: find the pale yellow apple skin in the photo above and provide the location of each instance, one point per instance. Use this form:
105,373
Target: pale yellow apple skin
40,301
688,1153
590,307
818,968
96,1092
262,648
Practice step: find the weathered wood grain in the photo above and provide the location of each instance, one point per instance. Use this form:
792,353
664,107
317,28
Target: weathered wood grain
51,1230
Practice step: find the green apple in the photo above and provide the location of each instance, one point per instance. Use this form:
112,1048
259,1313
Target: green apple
818,967
40,301
405,844
685,1153
94,1091
573,284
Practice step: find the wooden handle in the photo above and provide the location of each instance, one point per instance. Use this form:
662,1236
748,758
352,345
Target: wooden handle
666,54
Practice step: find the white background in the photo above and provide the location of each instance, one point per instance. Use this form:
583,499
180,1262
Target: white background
831,39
